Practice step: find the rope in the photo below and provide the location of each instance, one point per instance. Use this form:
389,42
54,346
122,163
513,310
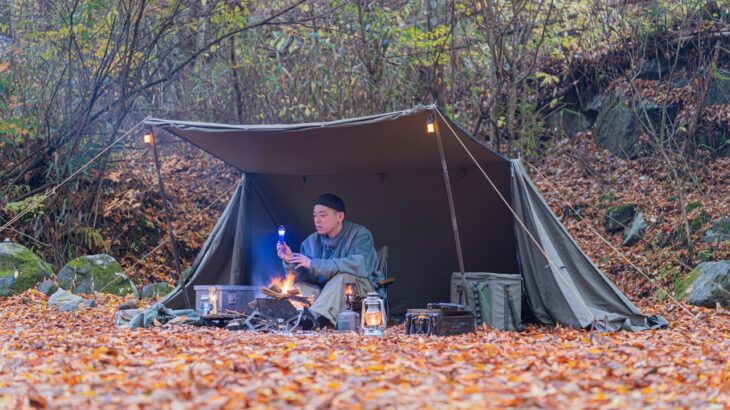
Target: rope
70,177
517,218
166,240
590,226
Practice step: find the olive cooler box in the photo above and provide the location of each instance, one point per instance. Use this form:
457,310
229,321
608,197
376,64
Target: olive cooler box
494,298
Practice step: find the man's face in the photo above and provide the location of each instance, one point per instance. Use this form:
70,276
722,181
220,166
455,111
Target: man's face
326,220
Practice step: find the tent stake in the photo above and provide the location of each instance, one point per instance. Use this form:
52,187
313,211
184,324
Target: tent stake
168,219
452,211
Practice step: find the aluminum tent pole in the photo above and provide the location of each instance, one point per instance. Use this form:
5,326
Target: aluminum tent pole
452,209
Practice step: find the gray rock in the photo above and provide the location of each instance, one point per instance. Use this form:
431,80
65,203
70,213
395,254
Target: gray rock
130,304
568,122
47,287
653,69
719,90
95,273
20,269
713,138
66,301
637,229
709,284
718,232
618,216
156,290
618,125
666,239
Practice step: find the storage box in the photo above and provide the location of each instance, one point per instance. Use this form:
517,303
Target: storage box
495,298
230,297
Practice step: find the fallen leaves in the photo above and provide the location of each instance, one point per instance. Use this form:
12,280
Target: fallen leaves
84,361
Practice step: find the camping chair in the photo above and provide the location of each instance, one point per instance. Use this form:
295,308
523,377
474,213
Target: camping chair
382,286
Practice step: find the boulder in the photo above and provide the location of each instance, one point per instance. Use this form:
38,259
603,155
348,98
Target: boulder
707,285
66,301
568,122
719,90
618,128
155,290
618,216
20,269
713,138
653,69
718,232
95,273
635,231
47,287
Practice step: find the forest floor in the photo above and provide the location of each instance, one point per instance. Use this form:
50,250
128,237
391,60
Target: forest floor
81,360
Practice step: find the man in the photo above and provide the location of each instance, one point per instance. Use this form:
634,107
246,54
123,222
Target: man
338,253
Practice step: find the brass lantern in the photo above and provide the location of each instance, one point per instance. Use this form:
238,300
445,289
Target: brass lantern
373,315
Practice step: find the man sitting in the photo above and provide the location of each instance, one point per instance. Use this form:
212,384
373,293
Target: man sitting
338,253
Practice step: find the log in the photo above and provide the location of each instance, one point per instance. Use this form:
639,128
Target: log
294,291
275,288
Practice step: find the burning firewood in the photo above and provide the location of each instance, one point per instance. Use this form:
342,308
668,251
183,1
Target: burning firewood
284,289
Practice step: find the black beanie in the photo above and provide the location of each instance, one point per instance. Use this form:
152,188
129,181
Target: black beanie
331,201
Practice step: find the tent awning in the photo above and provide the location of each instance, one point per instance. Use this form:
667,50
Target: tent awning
384,143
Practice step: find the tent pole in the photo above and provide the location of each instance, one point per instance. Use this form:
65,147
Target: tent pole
452,211
168,219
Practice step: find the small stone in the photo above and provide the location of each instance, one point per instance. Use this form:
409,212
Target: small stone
619,216
718,232
130,304
635,232
47,287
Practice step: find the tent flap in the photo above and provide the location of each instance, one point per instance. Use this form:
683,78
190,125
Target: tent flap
222,259
565,287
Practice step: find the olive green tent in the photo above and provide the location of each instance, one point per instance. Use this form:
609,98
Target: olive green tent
438,198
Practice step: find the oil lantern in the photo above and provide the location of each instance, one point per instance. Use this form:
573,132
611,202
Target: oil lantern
373,315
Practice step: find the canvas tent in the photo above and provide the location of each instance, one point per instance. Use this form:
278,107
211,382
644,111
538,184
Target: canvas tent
390,171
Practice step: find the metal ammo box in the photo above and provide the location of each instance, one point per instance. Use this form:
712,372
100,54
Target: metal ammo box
230,297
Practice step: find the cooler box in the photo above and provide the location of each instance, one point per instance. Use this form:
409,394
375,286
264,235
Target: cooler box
494,298
230,297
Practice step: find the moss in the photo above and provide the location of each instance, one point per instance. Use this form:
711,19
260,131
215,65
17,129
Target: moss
682,284
692,206
96,273
31,269
619,209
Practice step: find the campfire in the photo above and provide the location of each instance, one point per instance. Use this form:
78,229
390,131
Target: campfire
283,289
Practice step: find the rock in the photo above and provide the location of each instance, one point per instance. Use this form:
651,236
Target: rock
618,216
95,273
577,211
130,304
719,90
637,229
568,122
653,69
718,232
155,290
666,239
20,269
713,138
707,285
66,301
47,287
618,128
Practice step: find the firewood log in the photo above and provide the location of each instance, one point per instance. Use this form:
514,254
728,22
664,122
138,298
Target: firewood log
294,291
275,288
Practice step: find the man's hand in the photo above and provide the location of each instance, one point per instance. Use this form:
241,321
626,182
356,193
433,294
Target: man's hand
301,261
284,252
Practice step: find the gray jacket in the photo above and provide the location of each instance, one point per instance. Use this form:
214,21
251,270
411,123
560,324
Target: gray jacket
351,251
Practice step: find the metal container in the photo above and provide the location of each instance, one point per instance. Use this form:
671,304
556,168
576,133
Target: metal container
348,321
230,297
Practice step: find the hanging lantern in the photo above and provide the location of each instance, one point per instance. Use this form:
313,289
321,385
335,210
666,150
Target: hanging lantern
148,137
213,300
430,127
373,315
347,319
